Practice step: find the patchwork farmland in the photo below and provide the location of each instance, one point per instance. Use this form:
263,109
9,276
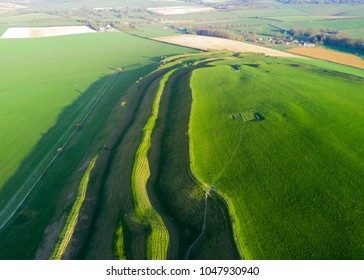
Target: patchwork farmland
138,130
330,55
219,44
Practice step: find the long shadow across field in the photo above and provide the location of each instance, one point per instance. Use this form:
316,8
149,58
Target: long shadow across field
110,202
34,228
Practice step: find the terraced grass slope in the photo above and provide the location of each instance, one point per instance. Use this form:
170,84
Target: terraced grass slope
278,139
46,90
293,175
148,203
157,243
73,216
66,67
111,190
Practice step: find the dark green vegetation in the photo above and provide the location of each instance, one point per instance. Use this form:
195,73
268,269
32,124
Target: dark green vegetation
172,191
330,25
41,106
294,179
238,19
281,173
72,218
179,193
267,165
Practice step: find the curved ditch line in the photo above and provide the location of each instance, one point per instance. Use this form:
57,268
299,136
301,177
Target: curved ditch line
208,188
221,195
135,94
202,232
104,89
232,217
226,202
159,234
72,219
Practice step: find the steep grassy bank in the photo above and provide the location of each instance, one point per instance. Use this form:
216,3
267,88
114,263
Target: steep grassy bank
293,174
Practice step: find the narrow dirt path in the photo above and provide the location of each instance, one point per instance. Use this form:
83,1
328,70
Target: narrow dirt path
203,229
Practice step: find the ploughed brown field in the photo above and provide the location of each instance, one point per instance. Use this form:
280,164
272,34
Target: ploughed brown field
334,56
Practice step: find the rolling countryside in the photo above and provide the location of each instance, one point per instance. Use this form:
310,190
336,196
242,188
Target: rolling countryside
181,130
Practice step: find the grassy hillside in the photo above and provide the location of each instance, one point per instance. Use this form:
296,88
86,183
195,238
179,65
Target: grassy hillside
41,106
181,196
292,176
66,67
158,238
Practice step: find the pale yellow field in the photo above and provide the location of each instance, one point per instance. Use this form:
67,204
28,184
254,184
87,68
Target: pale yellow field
213,43
334,56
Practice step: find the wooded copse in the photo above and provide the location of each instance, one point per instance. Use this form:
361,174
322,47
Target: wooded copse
327,37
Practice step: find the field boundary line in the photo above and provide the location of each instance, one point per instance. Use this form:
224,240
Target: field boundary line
103,89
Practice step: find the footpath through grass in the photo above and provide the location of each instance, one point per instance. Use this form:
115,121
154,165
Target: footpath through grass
294,176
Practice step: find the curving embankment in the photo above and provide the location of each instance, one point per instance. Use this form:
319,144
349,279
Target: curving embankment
203,224
158,238
72,218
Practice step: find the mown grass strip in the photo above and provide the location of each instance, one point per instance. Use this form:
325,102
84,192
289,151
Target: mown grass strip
72,218
158,238
119,248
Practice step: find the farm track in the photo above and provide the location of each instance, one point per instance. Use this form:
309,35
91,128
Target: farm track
28,186
202,231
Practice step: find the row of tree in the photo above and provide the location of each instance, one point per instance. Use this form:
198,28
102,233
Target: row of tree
327,37
223,31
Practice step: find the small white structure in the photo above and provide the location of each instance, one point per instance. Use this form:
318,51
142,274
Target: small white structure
308,44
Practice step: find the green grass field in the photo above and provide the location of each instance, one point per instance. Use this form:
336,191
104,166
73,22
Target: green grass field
41,106
293,179
74,214
182,198
26,18
157,243
199,155
341,24
334,67
93,3
67,67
